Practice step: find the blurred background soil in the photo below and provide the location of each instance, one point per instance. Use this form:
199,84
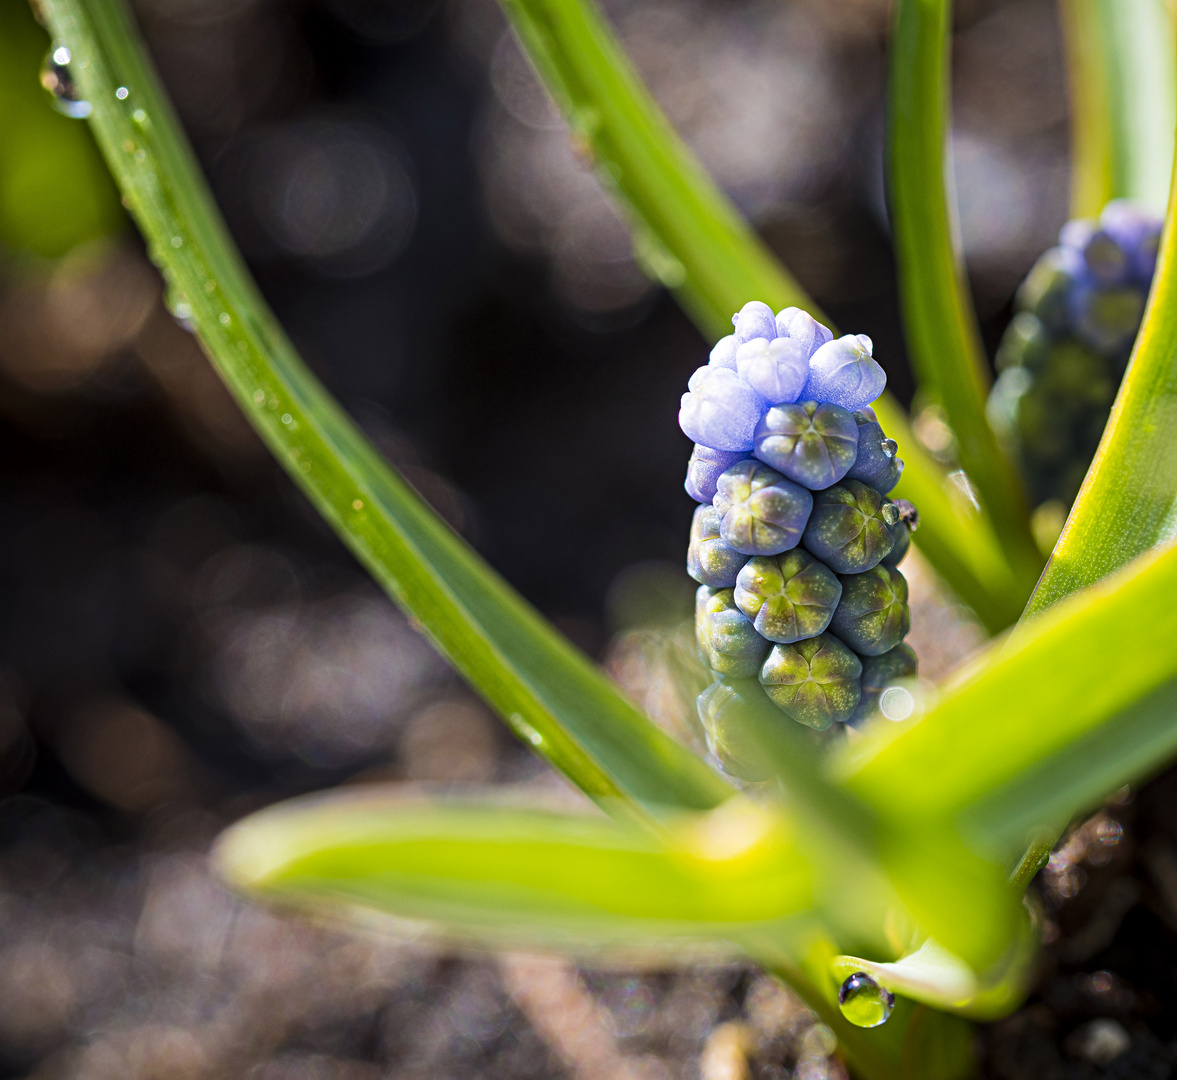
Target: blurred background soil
182,640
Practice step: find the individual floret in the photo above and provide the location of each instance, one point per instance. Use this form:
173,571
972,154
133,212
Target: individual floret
844,373
727,640
788,597
1137,232
724,709
813,444
909,521
802,327
1104,260
875,462
880,672
850,527
704,468
761,513
710,561
754,320
720,410
872,616
815,681
1047,287
776,369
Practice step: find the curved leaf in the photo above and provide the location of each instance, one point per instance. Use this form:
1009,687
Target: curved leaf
548,691
943,337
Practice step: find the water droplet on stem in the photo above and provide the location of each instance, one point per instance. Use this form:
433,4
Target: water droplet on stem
57,78
864,1002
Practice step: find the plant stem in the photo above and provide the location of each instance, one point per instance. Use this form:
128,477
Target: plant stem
550,693
944,339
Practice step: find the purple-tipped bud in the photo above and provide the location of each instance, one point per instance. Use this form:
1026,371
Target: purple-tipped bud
710,561
815,681
1107,262
810,443
727,640
788,597
723,711
720,410
1048,285
761,512
1137,232
754,320
1106,318
872,616
776,370
876,462
850,527
880,672
724,353
704,468
800,326
844,373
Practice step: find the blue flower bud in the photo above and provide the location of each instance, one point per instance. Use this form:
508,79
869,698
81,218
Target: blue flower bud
1137,232
709,560
876,462
844,373
775,369
815,681
879,672
754,320
761,512
788,597
1106,318
1025,343
723,712
1048,285
728,642
1107,262
872,616
703,470
724,353
850,527
720,410
800,326
810,443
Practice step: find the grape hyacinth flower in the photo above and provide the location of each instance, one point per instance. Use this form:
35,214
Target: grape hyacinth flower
789,597
815,681
710,561
811,443
1066,349
728,642
795,543
761,513
843,372
850,527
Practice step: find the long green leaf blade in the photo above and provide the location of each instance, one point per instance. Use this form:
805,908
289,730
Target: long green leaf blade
1128,501
1080,697
691,236
548,691
943,336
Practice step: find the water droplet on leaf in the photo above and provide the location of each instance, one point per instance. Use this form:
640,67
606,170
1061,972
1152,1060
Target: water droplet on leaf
59,81
864,1002
122,93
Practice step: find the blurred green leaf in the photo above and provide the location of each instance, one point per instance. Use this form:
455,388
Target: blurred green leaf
1122,60
1074,704
942,333
691,237
1128,501
550,693
55,191
495,872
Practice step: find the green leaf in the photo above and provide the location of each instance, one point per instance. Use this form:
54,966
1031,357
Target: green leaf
1073,705
490,871
1128,501
549,692
1122,79
695,241
943,337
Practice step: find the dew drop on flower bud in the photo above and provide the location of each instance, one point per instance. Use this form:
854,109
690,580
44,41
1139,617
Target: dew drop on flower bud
864,1002
59,81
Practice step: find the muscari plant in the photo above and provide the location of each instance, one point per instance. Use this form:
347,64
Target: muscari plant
884,877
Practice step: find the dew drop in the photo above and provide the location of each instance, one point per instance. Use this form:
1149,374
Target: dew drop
181,310
286,418
259,397
177,241
122,93
139,116
59,81
864,1002
224,318
357,504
